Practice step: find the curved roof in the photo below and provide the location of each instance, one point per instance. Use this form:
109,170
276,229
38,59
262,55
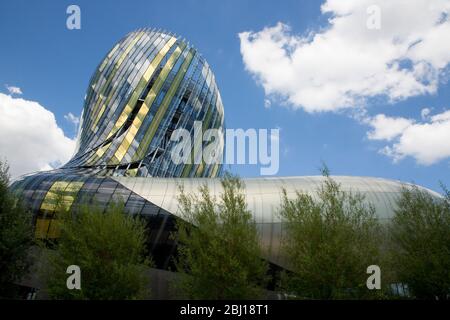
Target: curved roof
263,195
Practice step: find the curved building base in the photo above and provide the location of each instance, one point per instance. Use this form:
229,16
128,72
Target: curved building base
155,199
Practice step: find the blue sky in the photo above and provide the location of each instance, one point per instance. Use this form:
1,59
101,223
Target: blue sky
52,65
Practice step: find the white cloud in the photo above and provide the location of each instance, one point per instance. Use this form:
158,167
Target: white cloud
13,90
428,141
424,113
345,64
387,128
30,137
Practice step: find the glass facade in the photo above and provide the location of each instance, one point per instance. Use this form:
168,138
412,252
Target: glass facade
150,84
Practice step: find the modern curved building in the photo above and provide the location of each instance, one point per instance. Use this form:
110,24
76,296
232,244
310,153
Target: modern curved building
155,199
150,84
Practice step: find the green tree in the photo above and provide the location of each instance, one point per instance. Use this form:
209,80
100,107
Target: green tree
16,237
109,248
219,255
421,243
330,241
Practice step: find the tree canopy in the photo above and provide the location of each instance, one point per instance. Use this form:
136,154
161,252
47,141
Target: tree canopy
219,255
